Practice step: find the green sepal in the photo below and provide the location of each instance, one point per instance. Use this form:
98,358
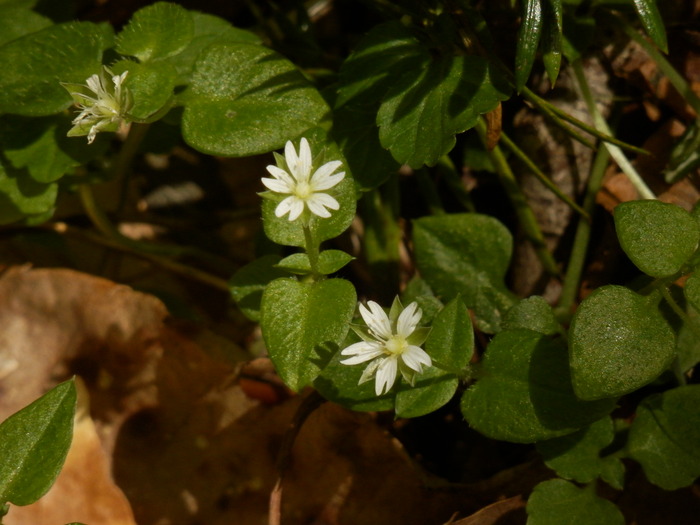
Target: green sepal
329,261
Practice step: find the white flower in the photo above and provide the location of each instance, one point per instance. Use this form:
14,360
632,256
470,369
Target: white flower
391,343
104,103
303,188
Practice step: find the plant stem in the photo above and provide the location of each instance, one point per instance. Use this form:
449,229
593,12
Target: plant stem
602,125
525,215
445,169
520,154
125,158
427,189
312,250
572,279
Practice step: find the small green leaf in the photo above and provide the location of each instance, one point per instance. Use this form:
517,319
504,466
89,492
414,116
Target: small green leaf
433,389
619,342
19,21
151,85
245,99
524,391
156,31
248,283
42,147
653,23
665,437
528,39
34,65
451,340
692,291
556,501
34,443
467,254
578,455
421,113
552,38
658,237
22,196
534,314
329,261
303,325
290,233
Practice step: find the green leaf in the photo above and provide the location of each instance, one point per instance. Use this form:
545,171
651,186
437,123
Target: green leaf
329,261
156,31
208,29
534,314
524,391
303,325
658,237
652,22
466,254
248,283
42,147
34,65
619,342
34,443
556,501
578,455
665,437
451,340
433,389
291,233
421,113
151,85
245,99
528,39
552,38
18,21
691,290
21,196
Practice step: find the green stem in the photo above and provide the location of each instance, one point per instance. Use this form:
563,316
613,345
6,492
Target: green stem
602,125
664,65
125,158
520,154
445,169
557,115
312,251
680,376
572,279
525,214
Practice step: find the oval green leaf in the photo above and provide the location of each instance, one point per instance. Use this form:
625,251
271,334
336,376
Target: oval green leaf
248,284
557,501
619,342
653,23
451,340
156,31
467,254
528,39
151,85
524,391
303,325
665,437
658,237
246,99
433,389
34,443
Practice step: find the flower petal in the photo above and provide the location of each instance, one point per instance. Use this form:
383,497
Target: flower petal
290,155
408,320
361,352
282,175
415,357
316,206
368,373
285,206
377,321
296,209
276,185
305,160
386,375
325,172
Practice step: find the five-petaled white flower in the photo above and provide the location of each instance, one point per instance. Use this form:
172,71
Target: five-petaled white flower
391,343
303,188
104,103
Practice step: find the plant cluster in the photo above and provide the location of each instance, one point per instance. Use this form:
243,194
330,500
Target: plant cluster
404,96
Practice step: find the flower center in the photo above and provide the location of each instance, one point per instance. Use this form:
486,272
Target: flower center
396,345
303,190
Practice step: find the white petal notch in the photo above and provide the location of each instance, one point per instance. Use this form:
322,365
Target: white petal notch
390,343
302,189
